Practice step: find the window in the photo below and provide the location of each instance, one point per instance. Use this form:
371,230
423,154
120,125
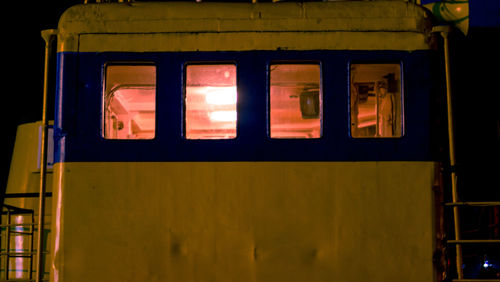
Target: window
375,92
129,102
295,101
210,101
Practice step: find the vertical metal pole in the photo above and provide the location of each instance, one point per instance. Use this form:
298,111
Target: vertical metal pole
32,233
47,35
7,247
444,31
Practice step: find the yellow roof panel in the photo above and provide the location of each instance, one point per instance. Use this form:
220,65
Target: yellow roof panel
189,19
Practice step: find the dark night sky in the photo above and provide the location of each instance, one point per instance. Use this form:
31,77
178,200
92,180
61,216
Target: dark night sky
22,64
475,86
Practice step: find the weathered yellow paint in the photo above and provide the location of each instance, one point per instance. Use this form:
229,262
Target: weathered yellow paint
244,221
24,174
185,26
241,41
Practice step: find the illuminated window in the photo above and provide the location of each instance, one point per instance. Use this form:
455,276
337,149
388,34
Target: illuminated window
129,102
376,100
295,101
210,104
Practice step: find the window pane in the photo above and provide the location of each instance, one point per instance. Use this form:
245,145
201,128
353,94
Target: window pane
211,101
129,102
376,100
295,101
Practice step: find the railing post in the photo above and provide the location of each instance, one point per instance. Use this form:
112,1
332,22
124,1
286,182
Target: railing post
48,36
7,247
444,32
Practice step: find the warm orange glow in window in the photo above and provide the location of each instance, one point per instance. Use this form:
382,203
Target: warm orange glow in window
376,100
129,102
295,101
210,101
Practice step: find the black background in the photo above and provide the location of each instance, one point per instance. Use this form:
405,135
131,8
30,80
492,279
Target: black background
22,68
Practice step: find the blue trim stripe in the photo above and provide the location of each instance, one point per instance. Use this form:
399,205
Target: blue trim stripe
78,110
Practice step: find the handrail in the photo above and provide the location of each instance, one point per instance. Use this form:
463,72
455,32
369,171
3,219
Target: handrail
474,280
12,229
24,195
475,204
15,210
48,35
444,32
474,241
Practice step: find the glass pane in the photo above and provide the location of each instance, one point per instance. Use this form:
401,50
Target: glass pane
129,102
211,101
376,100
295,101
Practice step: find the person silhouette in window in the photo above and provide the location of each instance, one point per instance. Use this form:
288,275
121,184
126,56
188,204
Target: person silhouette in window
384,110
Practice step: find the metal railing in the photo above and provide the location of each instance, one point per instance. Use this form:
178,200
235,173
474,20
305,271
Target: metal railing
10,230
444,31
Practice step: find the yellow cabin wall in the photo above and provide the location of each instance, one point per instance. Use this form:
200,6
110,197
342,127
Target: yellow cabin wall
24,173
238,221
244,221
